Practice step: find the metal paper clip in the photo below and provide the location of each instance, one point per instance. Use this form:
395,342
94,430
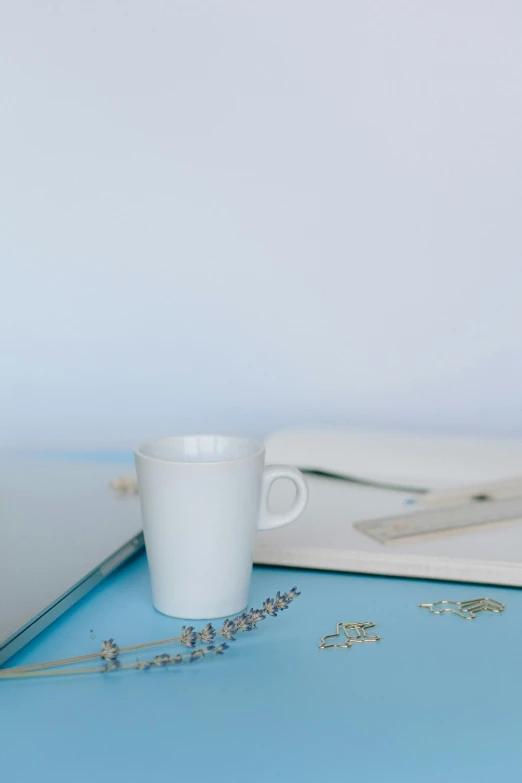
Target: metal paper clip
360,635
466,609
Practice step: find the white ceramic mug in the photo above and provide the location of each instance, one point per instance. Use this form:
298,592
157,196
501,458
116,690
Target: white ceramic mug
203,497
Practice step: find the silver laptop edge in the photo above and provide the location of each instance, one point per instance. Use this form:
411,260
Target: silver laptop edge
35,626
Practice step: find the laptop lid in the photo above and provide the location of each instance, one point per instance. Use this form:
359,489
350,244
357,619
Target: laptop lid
63,528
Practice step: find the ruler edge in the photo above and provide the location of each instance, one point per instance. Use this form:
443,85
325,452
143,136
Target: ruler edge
447,532
441,533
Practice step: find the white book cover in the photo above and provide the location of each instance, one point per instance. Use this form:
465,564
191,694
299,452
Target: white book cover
326,536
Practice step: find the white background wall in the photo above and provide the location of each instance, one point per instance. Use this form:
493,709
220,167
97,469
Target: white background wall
243,215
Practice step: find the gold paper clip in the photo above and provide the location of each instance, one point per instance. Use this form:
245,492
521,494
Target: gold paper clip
466,609
360,635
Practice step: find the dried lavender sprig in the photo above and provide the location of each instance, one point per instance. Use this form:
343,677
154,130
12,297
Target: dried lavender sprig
109,651
157,661
243,622
247,621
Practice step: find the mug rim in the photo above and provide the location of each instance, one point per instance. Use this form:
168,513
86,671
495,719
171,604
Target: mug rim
260,448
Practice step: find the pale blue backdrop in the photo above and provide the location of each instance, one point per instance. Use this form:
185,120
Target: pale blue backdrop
237,216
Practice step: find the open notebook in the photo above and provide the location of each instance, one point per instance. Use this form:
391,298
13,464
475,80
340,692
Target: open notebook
329,535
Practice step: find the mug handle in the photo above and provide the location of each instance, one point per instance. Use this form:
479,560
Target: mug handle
268,520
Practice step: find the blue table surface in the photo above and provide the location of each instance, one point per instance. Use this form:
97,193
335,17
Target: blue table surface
438,698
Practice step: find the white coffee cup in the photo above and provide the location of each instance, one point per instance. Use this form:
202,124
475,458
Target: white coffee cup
203,497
